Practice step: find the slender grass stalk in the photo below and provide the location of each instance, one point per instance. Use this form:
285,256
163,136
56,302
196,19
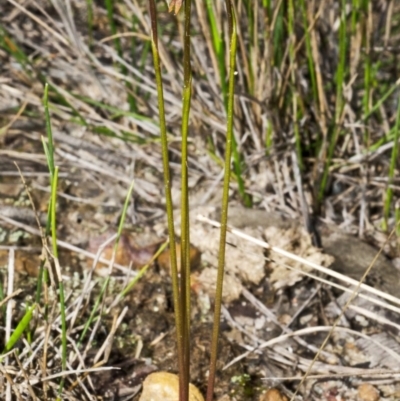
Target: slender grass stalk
219,49
50,145
292,58
185,237
251,8
225,199
53,201
341,69
2,296
113,28
278,35
93,312
367,66
380,102
267,6
310,59
168,196
51,228
49,152
393,161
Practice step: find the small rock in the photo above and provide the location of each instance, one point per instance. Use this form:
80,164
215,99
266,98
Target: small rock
284,319
273,394
164,386
367,392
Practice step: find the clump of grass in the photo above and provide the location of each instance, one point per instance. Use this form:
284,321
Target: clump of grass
299,75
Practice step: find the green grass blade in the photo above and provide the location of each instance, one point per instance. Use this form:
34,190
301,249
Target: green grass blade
21,327
185,238
167,186
380,102
53,208
2,307
292,58
93,312
278,36
341,69
219,47
225,199
118,47
50,151
393,162
51,227
12,48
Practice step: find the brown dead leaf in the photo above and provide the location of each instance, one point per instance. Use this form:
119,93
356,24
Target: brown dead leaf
138,251
164,259
126,253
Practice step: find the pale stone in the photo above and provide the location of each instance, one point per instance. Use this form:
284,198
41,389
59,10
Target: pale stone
367,392
164,386
273,394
